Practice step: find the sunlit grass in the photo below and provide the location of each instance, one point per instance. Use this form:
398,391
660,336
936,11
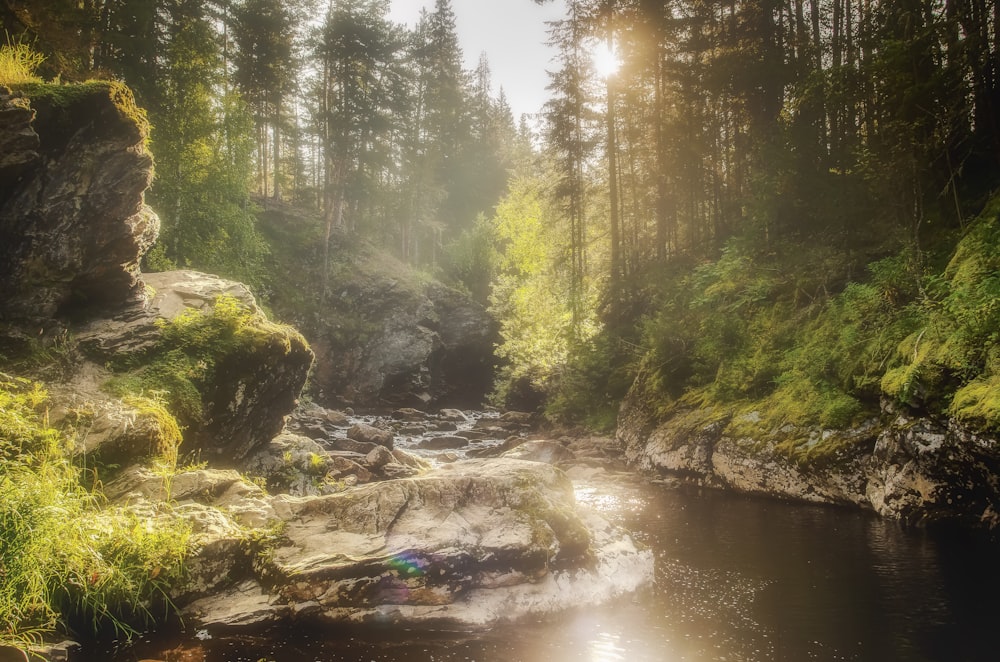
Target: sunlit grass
18,63
67,559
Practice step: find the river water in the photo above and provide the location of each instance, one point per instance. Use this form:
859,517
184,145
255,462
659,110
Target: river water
737,578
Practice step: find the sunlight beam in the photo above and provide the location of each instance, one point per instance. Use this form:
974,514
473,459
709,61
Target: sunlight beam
606,60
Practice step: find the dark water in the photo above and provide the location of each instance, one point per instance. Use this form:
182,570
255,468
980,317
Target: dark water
736,579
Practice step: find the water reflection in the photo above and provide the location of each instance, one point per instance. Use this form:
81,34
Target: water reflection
737,579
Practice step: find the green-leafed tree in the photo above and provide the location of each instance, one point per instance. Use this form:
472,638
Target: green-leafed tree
360,98
203,146
263,33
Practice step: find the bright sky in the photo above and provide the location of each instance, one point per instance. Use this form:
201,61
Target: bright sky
512,33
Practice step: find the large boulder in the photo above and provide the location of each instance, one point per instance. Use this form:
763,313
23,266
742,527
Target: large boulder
471,544
249,378
73,224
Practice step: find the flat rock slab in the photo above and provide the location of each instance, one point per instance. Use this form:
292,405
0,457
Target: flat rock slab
469,544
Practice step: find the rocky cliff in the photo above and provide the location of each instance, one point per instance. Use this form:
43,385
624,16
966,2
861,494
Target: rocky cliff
385,334
72,220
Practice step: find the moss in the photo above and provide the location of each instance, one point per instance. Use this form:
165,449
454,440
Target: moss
63,109
179,368
167,438
978,403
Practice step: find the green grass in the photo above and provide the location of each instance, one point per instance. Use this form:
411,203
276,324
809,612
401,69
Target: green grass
18,63
69,561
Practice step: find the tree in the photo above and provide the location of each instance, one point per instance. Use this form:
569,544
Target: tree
263,32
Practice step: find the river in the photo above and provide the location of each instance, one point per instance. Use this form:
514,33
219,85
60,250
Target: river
737,578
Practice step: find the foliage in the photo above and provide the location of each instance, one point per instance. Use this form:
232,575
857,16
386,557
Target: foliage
469,261
949,362
528,293
18,63
743,332
67,560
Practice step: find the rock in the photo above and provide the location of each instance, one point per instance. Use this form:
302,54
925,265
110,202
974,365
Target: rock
454,415
18,141
371,435
901,466
244,605
515,418
390,338
472,545
105,428
379,457
442,443
218,552
550,452
337,419
412,429
218,487
292,464
395,471
410,460
352,446
73,225
254,383
922,472
217,506
343,467
409,414
508,444
316,419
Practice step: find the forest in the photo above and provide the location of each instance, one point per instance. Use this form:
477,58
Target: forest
751,177
778,214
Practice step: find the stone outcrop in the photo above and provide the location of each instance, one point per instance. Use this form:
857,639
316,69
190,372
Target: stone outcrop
253,385
73,228
472,544
900,466
388,337
73,224
425,346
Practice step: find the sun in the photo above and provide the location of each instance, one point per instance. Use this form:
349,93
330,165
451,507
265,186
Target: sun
606,60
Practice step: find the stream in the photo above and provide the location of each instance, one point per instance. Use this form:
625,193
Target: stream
737,578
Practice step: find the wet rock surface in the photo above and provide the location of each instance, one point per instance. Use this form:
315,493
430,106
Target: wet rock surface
410,535
901,466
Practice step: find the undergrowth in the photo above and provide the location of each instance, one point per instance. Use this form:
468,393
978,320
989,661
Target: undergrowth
758,332
69,562
18,63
